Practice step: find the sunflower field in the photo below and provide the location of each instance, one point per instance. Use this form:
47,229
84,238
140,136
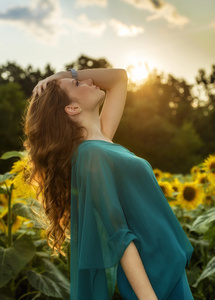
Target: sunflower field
30,271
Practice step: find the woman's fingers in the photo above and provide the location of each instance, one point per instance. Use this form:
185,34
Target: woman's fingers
41,86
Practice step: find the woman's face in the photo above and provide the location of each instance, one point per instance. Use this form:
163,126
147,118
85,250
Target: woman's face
85,93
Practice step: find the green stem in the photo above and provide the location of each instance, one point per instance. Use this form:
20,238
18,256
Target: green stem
9,217
29,293
62,262
19,282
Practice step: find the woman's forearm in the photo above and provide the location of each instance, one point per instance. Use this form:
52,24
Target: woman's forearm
135,272
104,78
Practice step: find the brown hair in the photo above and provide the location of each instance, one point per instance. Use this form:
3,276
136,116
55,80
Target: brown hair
51,140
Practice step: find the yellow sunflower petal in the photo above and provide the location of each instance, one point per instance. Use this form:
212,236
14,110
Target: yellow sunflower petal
158,174
209,167
166,188
190,195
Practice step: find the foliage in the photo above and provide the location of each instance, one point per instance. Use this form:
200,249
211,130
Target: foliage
167,124
27,78
86,62
12,105
28,268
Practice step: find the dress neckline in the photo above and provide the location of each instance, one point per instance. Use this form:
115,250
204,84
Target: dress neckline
97,141
115,144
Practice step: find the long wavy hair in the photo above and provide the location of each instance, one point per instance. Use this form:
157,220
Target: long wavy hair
51,140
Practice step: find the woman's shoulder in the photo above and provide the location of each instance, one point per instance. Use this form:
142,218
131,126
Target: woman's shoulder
89,150
92,147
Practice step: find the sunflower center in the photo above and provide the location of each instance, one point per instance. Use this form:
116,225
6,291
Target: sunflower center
175,188
204,180
189,193
212,166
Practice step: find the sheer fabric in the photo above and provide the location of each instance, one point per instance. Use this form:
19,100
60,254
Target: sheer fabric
116,199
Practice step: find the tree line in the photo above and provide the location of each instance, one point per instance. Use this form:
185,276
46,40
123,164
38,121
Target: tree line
166,120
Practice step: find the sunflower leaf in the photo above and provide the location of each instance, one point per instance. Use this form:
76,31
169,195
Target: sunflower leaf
42,283
3,190
13,259
209,271
4,177
25,211
204,222
198,242
10,154
52,282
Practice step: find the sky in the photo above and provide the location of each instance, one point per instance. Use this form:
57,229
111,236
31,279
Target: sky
175,37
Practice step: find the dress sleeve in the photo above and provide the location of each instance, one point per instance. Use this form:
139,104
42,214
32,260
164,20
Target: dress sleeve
103,232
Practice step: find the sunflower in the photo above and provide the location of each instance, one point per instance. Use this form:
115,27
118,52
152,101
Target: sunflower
21,188
202,178
209,199
195,171
190,196
158,174
210,195
166,188
20,165
21,170
167,175
175,184
209,167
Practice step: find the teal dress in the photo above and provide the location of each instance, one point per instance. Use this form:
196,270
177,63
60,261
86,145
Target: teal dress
116,199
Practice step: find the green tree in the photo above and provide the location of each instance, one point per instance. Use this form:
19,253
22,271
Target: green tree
86,62
26,78
12,104
204,120
159,130
186,146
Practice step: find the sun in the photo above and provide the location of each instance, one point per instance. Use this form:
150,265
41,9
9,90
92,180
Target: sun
137,72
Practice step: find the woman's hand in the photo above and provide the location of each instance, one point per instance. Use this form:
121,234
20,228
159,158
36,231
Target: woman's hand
42,84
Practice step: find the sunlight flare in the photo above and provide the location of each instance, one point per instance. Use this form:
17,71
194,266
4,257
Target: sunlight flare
137,72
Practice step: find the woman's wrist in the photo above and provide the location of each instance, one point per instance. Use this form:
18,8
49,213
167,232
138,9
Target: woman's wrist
61,74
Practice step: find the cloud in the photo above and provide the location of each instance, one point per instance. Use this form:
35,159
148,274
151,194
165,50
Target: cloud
160,10
124,30
84,3
83,24
43,19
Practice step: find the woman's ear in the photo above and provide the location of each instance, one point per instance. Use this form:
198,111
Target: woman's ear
72,109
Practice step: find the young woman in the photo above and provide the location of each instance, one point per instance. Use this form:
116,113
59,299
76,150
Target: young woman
122,228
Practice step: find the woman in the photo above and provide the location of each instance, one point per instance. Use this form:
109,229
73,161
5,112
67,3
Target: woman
122,227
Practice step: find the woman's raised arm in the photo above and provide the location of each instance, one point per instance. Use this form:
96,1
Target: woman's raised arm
114,81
